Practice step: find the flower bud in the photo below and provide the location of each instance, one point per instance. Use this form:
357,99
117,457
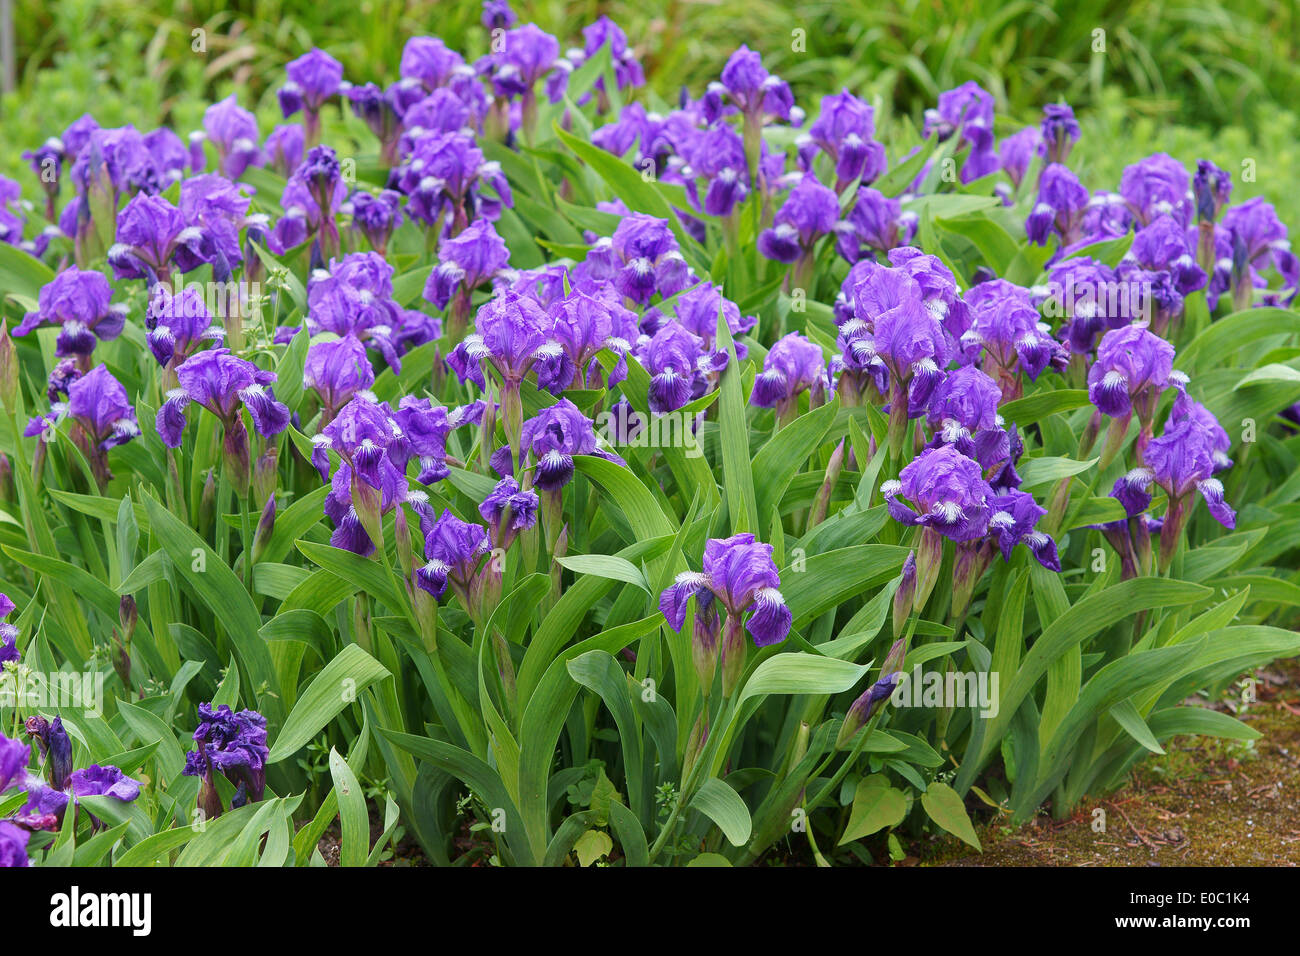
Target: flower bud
904,595
8,369
265,529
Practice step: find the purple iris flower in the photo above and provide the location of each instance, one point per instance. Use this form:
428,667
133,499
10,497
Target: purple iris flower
233,130
14,756
12,218
526,55
219,208
793,365
844,130
584,324
672,358
718,156
759,95
497,15
741,576
444,178
966,112
1080,290
9,654
875,222
1257,239
1182,460
284,148
963,409
949,493
430,61
13,845
1162,248
425,428
379,110
375,216
1008,331
153,237
78,302
336,370
1060,132
355,297
1060,207
697,311
1016,152
510,333
55,746
465,262
1157,186
233,744
453,551
906,335
98,403
939,292
553,436
1133,367
314,77
809,212
509,510
641,258
1015,513
223,383
310,199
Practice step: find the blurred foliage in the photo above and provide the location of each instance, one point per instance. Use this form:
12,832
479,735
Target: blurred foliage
1190,77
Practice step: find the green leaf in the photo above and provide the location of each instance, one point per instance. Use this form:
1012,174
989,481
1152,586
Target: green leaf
338,684
945,808
1127,716
717,801
876,805
606,566
354,821
591,846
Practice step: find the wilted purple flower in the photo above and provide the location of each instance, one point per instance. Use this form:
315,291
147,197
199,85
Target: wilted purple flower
876,222
233,744
948,491
453,550
233,130
740,574
966,112
1060,132
1212,188
376,216
78,302
337,369
508,510
809,212
793,365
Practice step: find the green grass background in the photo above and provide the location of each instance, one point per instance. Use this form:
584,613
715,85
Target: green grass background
1195,78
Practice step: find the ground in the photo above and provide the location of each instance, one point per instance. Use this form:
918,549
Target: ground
1207,802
